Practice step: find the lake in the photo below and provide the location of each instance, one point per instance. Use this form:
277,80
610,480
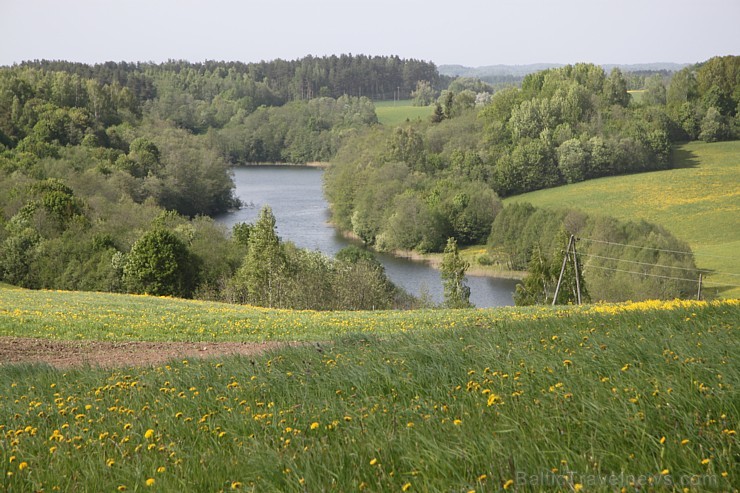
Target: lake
295,194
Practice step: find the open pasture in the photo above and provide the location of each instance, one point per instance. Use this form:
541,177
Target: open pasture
394,113
698,201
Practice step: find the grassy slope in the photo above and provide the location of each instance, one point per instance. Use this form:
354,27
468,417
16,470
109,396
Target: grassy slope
427,401
393,113
698,201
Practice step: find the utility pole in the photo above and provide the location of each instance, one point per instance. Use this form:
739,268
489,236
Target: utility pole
698,293
571,247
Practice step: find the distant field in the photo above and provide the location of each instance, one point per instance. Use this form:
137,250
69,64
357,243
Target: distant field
637,95
394,113
698,201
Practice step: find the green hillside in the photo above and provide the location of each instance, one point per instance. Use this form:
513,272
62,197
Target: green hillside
393,113
590,398
698,201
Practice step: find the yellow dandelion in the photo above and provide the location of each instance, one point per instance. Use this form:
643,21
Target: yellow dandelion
236,485
314,425
373,461
406,487
508,484
665,472
662,440
684,441
577,487
22,466
149,434
122,487
494,399
457,422
161,469
567,362
150,482
704,462
110,462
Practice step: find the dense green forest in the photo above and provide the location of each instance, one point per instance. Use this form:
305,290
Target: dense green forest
110,173
112,168
411,187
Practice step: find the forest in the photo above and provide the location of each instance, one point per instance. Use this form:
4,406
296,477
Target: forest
108,169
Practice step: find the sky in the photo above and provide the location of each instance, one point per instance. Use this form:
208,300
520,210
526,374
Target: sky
464,32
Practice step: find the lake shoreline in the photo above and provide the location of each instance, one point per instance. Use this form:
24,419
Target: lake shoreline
434,260
295,194
312,164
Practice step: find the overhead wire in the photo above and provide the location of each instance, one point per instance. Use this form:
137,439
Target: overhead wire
646,274
654,249
703,271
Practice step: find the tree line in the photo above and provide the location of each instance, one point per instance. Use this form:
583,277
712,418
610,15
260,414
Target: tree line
93,158
534,239
415,185
110,173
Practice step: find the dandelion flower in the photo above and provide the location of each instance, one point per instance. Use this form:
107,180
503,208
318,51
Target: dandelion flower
373,461
150,481
149,434
314,425
508,484
406,487
494,399
22,466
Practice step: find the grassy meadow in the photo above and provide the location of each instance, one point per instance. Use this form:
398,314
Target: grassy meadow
393,113
698,201
593,398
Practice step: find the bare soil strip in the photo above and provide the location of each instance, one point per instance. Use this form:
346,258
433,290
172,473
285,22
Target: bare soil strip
106,354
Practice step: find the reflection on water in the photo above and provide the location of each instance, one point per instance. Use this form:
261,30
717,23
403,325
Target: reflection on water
296,197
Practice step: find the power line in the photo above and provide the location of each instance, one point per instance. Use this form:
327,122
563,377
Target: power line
661,277
704,271
655,249
641,273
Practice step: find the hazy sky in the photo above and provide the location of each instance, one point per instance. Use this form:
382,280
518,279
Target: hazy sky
467,32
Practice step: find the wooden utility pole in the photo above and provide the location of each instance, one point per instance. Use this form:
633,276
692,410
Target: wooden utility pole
570,248
575,265
698,293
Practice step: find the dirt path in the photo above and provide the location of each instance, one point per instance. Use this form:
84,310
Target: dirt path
67,354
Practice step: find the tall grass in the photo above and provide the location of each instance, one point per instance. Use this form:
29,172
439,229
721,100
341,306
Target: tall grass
698,201
635,396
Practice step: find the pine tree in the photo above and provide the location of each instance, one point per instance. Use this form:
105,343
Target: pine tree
538,285
260,279
457,294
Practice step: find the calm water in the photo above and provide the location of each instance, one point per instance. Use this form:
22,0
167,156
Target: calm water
296,197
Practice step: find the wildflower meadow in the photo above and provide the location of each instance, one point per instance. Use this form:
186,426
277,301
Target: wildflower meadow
629,397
